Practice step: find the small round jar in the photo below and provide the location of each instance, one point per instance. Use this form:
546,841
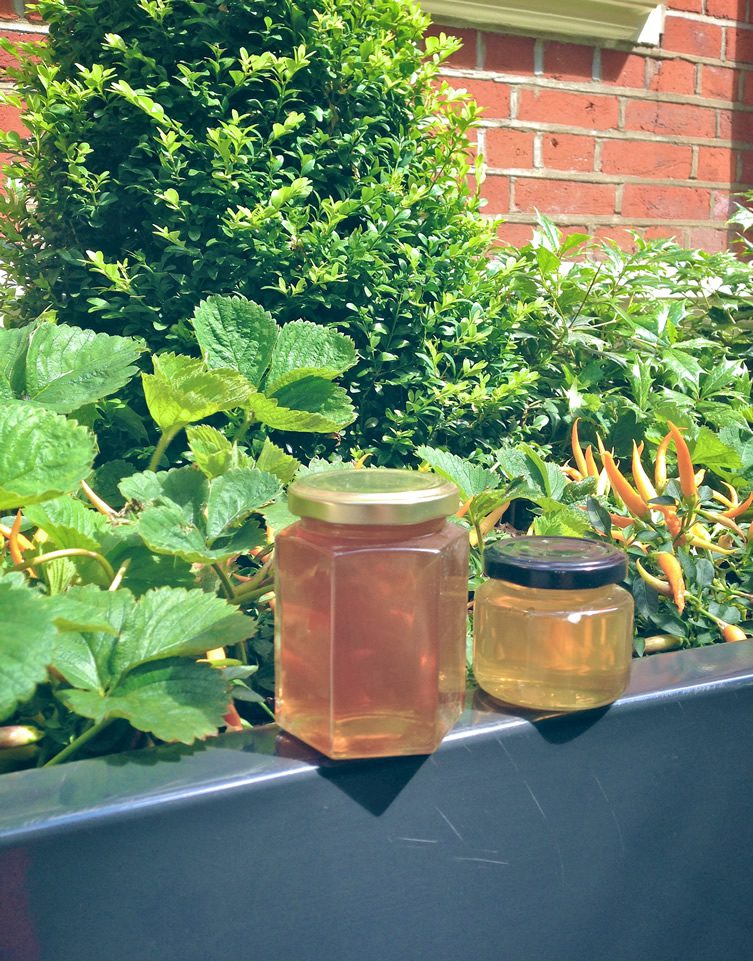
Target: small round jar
553,630
372,591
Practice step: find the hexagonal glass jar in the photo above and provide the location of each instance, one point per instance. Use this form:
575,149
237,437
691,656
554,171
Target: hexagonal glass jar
372,589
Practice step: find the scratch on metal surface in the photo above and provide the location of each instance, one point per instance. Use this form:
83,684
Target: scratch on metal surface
502,744
619,831
449,824
601,788
420,840
481,860
535,800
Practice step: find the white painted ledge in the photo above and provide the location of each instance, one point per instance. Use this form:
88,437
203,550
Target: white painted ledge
639,21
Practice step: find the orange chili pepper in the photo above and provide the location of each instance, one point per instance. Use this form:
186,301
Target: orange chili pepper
580,460
739,509
640,478
660,464
591,469
684,463
631,499
622,522
732,633
662,587
671,568
723,520
671,520
14,544
464,509
488,523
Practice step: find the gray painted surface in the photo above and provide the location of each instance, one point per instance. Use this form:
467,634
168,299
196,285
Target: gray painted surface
615,835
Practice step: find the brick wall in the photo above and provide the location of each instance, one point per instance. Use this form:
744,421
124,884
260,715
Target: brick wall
604,138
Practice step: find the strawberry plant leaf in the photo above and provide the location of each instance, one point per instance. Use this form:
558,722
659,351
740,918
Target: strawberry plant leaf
274,460
235,495
13,345
42,455
212,451
304,349
182,390
166,530
185,487
172,622
311,405
27,633
470,479
237,333
146,569
68,522
278,516
175,700
67,368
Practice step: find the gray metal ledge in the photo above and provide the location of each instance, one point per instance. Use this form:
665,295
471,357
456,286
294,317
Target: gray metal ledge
622,834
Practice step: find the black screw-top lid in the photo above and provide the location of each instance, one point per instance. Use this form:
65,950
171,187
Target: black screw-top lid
555,563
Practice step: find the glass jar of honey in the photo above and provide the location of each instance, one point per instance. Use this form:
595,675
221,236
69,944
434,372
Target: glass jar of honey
553,630
372,591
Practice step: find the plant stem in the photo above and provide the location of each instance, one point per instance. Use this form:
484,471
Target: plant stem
479,538
162,445
254,595
227,587
248,420
68,552
78,742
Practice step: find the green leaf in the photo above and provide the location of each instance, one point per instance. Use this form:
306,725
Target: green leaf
69,523
237,333
181,391
27,633
184,487
710,451
304,349
274,460
175,700
166,530
42,455
212,451
147,570
171,622
235,495
547,477
599,516
561,521
13,346
311,405
470,479
277,516
67,368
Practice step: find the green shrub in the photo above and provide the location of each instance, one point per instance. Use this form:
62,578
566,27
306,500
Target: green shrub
302,154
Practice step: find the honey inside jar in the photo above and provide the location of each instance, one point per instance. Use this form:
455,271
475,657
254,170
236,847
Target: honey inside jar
561,639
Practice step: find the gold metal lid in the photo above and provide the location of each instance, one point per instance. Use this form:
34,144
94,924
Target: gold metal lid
373,495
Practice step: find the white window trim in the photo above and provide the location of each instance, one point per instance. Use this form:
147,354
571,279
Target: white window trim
639,21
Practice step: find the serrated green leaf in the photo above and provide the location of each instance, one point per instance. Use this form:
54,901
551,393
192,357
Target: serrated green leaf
277,516
237,333
274,460
212,451
165,530
27,634
311,405
175,700
561,521
235,495
67,368
709,450
171,622
184,487
13,345
147,570
69,523
42,455
470,479
304,349
182,390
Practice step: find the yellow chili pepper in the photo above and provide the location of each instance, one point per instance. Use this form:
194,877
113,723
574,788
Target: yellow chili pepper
738,509
488,523
357,465
685,466
662,587
660,464
722,519
640,478
732,633
673,572
102,506
658,643
631,499
23,542
591,469
697,537
580,460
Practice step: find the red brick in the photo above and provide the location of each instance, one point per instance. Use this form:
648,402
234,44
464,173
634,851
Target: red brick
516,235
8,10
735,125
719,82
739,46
465,57
493,97
671,76
508,54
746,167
564,151
722,204
10,119
573,109
671,119
663,232
711,239
496,191
564,196
641,159
693,37
687,6
619,235
625,69
726,9
568,61
667,203
748,87
8,60
509,148
716,164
